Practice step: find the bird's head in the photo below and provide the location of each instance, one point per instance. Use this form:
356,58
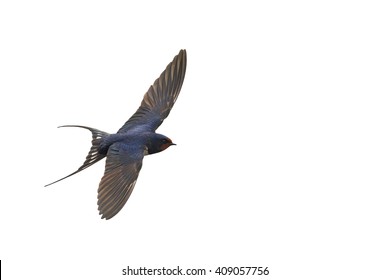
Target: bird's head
158,143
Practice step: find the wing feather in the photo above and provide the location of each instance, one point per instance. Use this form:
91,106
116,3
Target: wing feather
123,165
160,98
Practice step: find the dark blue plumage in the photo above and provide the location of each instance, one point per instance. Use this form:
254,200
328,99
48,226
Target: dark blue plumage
135,139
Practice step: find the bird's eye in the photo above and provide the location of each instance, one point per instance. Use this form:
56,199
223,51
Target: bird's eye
164,141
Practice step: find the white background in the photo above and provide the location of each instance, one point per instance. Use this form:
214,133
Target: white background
282,126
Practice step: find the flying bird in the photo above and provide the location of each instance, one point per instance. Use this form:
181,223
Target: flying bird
137,138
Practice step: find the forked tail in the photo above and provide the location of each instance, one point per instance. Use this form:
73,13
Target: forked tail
93,156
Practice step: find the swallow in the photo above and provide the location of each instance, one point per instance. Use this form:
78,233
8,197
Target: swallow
137,138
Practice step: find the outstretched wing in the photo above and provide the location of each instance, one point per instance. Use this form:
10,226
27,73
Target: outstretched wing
122,168
159,99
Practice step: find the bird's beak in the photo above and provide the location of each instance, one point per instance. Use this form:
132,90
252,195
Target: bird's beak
173,144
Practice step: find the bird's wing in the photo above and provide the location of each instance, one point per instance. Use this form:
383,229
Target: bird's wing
122,168
159,99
